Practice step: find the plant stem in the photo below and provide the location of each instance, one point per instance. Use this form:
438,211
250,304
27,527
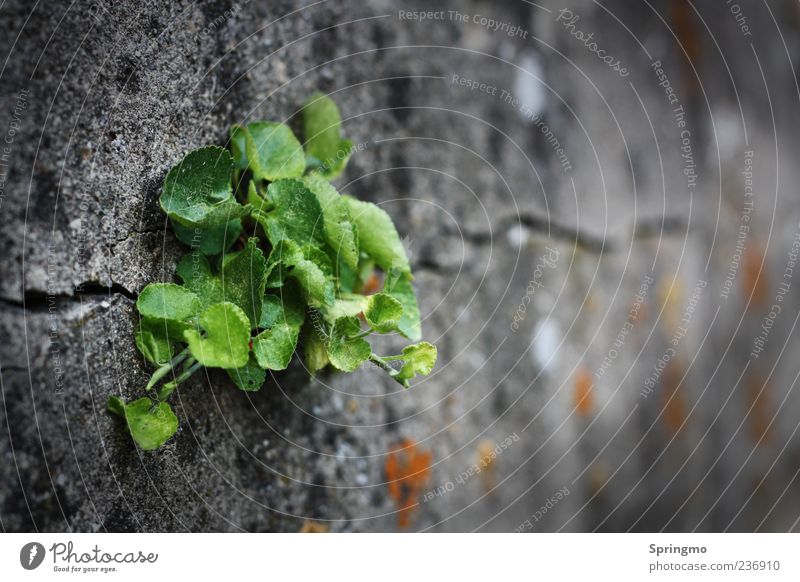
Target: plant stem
191,367
384,365
167,368
381,362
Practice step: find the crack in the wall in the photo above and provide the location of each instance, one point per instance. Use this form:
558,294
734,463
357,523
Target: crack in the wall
35,301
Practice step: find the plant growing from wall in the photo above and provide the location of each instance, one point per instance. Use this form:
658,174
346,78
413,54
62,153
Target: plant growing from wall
245,304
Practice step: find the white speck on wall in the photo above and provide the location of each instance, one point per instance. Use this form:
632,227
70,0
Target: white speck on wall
546,338
728,137
528,86
518,236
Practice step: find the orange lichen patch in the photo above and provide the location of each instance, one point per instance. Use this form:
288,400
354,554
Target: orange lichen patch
486,462
757,403
674,402
597,476
582,397
592,302
313,527
407,472
754,275
640,310
685,26
670,296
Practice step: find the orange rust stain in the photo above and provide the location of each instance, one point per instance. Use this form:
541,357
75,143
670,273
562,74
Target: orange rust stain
313,527
670,295
760,417
642,312
598,475
583,399
674,402
754,275
407,472
685,26
486,462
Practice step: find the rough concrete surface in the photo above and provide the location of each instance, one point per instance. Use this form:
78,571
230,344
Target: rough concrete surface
115,93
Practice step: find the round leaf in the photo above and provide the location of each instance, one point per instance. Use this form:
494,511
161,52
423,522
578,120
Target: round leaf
227,340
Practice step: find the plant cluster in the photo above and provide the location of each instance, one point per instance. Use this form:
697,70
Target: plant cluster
322,270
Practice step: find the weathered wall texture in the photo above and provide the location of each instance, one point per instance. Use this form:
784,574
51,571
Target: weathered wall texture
115,93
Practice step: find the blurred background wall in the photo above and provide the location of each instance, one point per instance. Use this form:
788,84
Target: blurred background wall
598,198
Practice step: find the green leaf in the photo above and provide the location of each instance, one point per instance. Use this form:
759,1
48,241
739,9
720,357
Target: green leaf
296,216
340,230
150,424
227,340
273,152
417,359
238,145
315,351
345,351
116,405
244,279
284,305
195,272
153,343
320,258
197,191
322,129
255,198
211,240
344,307
383,312
377,235
168,307
274,347
288,260
402,290
250,377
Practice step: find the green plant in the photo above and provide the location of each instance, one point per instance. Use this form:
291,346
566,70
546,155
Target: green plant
245,304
